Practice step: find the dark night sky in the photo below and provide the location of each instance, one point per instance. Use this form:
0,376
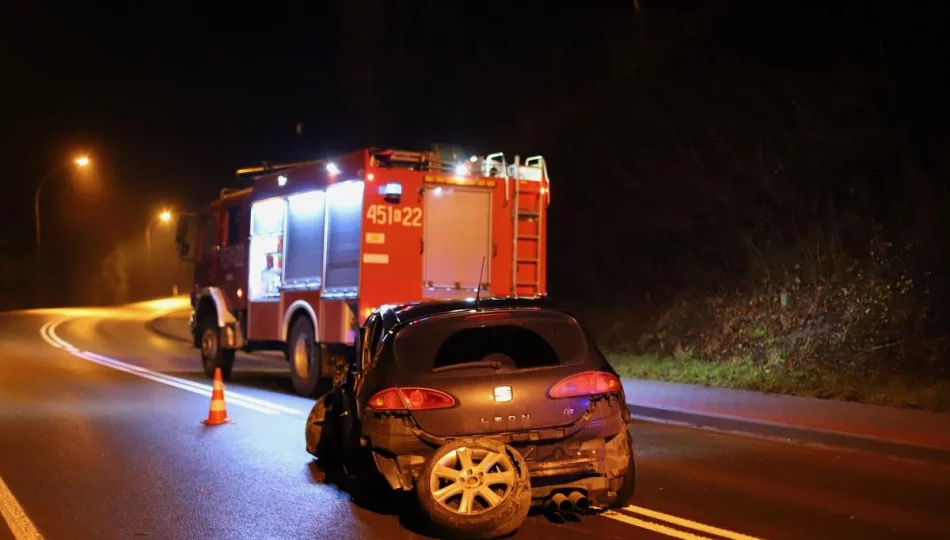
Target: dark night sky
171,98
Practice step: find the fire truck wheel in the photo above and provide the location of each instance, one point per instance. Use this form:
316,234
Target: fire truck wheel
212,355
304,357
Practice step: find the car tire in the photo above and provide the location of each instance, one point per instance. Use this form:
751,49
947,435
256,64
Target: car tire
442,500
627,487
304,357
212,355
323,434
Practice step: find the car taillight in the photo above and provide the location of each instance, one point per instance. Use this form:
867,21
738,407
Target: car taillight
410,398
589,383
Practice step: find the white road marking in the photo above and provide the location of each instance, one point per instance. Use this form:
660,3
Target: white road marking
24,529
16,518
655,527
687,523
670,531
48,333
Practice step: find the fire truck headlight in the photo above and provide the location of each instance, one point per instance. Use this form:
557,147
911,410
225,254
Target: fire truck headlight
332,169
461,169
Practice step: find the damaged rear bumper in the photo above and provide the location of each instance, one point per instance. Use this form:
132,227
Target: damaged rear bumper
591,455
596,467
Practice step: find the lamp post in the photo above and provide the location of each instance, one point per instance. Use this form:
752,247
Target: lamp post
81,162
164,217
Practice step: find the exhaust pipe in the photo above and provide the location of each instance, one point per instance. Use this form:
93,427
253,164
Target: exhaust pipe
579,501
560,504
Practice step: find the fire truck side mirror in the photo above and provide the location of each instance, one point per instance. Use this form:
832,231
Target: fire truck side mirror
181,239
181,231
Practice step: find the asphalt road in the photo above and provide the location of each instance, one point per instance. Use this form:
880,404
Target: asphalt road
94,446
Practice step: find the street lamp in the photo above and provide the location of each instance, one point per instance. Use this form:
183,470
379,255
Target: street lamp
81,162
164,217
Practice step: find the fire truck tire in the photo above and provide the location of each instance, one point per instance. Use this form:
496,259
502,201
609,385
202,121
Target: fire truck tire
304,357
212,355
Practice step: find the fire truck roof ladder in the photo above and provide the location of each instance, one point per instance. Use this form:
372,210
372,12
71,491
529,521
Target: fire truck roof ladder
233,192
267,167
422,161
524,233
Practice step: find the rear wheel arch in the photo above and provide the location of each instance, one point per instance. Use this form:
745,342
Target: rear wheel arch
299,308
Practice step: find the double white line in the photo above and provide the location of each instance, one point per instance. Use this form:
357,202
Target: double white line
672,520
48,333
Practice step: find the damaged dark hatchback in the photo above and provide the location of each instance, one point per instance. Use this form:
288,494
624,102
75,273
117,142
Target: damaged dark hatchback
484,410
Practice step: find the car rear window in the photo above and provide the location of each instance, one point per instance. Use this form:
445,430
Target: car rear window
510,340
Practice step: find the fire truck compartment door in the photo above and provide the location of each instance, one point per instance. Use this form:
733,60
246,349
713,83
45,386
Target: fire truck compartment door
457,237
344,220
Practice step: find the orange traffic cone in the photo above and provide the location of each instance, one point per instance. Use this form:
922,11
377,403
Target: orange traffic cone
218,414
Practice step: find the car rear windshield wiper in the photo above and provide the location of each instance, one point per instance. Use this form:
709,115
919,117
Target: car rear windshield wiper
494,364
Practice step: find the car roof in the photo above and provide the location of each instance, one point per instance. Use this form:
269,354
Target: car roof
411,311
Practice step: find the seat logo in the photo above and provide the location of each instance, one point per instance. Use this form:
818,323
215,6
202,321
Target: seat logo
510,418
502,394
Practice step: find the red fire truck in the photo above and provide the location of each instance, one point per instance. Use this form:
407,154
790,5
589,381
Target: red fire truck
296,261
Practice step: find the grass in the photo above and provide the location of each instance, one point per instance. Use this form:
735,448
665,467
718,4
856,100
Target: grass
775,376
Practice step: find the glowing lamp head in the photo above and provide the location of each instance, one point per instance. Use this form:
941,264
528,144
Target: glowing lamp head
165,216
281,180
82,161
332,169
461,169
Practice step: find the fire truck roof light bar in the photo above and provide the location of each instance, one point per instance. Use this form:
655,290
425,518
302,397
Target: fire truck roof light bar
534,168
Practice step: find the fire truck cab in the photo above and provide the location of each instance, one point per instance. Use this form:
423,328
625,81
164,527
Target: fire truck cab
297,261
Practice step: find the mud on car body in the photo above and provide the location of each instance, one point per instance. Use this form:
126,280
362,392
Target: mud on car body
484,410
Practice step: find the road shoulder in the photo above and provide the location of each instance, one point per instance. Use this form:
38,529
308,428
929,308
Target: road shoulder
901,433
